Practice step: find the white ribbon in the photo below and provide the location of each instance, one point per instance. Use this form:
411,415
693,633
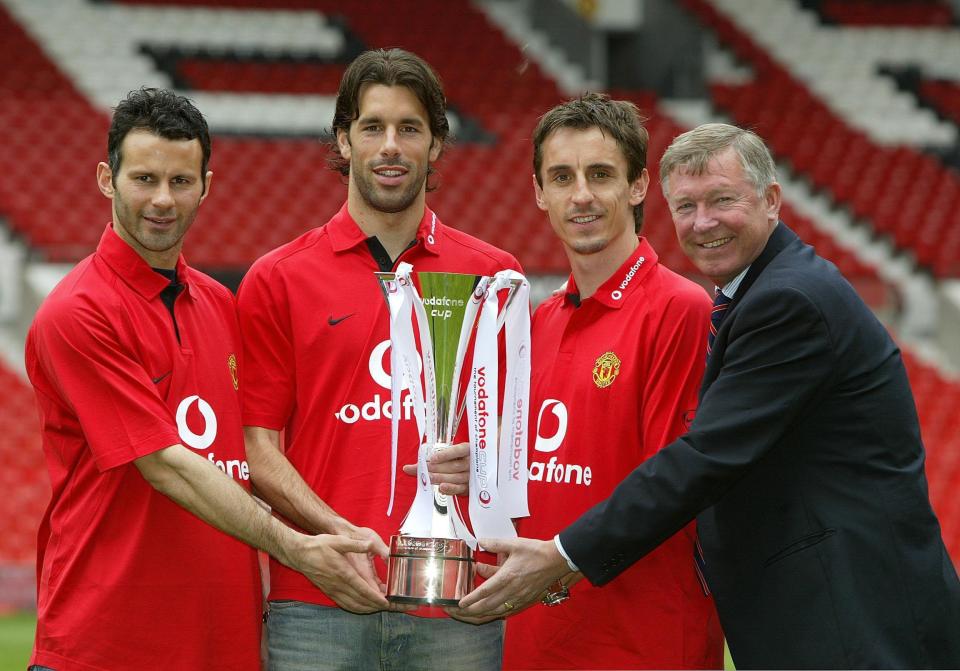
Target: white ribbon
512,467
403,366
488,517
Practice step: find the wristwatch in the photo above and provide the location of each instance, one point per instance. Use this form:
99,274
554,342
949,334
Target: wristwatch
556,594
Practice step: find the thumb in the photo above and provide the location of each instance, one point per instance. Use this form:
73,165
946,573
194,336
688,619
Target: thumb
410,469
493,545
378,547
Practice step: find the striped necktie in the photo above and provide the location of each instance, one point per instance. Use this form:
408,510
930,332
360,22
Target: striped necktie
720,304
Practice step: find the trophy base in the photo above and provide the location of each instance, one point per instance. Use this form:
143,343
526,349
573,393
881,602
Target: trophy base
429,571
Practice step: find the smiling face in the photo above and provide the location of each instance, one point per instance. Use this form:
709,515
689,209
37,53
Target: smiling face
390,148
722,223
586,192
156,193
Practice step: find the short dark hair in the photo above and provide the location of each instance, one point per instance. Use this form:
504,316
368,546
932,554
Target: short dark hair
163,113
618,118
389,67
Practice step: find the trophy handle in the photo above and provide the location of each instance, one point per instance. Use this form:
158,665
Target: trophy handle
511,289
515,284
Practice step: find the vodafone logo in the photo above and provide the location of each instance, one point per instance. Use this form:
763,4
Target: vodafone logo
379,373
552,471
238,469
551,443
617,294
379,407
197,441
433,230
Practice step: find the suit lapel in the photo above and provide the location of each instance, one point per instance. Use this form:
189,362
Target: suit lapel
778,241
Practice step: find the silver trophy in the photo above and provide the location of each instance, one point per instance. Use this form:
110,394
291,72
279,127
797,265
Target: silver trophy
438,319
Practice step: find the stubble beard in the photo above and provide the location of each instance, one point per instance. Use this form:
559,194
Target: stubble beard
381,200
589,246
135,227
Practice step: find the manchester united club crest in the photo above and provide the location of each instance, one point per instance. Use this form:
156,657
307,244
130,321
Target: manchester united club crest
232,365
606,369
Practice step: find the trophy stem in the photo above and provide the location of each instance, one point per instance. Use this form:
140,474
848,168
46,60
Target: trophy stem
441,524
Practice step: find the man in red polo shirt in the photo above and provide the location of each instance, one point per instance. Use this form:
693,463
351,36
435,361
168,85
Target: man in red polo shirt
135,358
316,335
617,361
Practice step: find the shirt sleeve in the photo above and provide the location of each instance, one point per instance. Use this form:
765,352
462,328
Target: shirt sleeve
267,376
101,380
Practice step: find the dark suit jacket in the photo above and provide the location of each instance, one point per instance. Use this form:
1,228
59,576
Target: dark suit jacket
804,469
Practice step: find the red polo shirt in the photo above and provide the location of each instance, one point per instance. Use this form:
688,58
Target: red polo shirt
127,579
316,335
613,381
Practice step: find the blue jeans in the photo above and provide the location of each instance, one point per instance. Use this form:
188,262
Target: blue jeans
39,668
307,637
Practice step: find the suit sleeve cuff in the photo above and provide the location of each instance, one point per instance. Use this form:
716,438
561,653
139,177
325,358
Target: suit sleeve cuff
556,541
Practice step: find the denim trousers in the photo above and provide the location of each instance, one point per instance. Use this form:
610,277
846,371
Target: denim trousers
307,637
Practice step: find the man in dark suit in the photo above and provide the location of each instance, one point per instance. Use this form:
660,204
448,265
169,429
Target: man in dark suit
803,466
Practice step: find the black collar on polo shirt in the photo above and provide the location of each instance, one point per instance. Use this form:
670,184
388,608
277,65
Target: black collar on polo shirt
345,234
170,293
381,256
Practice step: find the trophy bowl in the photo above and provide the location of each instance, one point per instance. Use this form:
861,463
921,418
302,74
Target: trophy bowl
429,571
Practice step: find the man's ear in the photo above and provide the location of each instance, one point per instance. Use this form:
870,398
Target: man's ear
343,143
638,189
539,194
105,179
206,185
772,199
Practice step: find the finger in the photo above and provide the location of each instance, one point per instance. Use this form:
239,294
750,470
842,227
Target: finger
365,568
453,478
486,570
345,544
357,596
454,490
378,547
402,607
410,469
482,594
457,614
452,453
458,467
354,599
490,597
496,545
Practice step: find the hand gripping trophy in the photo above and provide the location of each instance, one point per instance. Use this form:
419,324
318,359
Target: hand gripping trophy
431,559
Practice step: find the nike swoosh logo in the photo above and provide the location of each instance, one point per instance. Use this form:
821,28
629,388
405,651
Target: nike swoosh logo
334,322
157,380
